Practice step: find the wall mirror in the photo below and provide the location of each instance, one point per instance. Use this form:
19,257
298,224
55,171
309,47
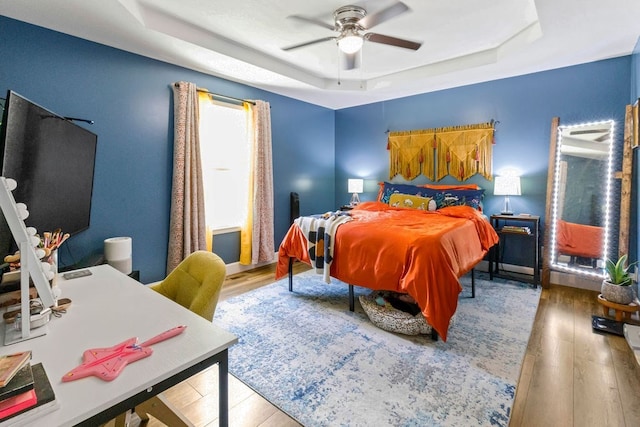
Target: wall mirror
579,199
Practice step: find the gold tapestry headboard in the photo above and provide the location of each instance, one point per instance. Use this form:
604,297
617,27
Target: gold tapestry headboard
459,151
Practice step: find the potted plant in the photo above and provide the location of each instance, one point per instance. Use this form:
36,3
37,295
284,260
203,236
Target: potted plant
616,286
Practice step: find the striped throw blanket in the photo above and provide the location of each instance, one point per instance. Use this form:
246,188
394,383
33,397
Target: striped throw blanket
320,231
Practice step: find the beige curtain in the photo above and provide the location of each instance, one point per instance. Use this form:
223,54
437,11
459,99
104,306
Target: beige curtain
187,221
256,237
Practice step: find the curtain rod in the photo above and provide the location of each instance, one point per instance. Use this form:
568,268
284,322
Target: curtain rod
225,97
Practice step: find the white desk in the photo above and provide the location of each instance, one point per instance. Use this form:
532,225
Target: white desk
107,308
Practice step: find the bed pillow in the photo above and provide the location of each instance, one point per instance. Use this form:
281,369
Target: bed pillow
413,202
388,188
471,198
445,195
451,186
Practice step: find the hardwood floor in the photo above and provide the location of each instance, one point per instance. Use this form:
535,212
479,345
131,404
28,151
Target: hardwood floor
570,375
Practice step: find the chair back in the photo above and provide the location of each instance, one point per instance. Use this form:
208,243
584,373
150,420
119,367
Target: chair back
195,283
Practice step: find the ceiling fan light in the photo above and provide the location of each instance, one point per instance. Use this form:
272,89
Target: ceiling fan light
350,43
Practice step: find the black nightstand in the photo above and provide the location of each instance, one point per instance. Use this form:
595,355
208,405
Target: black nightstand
527,228
346,207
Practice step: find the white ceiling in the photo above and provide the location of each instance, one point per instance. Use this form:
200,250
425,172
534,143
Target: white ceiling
463,41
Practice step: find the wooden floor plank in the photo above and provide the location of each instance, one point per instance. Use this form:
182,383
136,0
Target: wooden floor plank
596,395
549,398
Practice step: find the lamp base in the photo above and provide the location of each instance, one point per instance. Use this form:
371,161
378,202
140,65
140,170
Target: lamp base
506,210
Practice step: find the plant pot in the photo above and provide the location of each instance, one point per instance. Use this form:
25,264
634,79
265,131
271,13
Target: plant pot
616,293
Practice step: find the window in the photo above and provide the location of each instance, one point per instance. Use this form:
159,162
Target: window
225,156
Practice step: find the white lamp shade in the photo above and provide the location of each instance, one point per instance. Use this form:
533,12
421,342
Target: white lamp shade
506,186
356,185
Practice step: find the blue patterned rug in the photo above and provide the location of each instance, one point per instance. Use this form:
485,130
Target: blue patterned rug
323,365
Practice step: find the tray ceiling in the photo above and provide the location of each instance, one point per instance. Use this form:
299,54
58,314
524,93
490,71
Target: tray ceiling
463,42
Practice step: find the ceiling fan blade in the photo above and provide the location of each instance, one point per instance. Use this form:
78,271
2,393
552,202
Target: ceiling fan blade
296,46
351,60
393,41
379,17
603,138
582,132
312,21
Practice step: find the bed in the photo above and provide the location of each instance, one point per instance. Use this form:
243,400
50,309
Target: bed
409,250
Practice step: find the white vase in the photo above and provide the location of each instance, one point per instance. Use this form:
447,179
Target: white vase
616,293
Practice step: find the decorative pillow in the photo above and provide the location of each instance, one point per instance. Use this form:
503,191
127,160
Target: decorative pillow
451,186
413,202
443,197
471,198
387,189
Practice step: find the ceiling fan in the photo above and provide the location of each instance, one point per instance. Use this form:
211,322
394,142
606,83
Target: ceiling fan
351,22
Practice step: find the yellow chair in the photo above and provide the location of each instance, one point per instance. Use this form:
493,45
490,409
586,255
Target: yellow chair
194,284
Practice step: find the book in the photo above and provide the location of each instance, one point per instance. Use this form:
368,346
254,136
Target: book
516,229
18,403
10,364
46,400
20,383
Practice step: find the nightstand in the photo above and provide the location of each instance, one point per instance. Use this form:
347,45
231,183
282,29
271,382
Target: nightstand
522,230
346,207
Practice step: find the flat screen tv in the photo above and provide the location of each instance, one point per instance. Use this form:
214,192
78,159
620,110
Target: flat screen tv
52,160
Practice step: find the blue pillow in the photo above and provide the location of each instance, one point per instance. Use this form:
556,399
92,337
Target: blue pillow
389,188
442,198
471,198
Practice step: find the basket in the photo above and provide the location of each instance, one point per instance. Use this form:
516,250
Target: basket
393,320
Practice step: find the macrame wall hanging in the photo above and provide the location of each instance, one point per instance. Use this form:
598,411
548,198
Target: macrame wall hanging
458,151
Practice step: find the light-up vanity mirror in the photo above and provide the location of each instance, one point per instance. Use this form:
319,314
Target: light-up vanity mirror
581,199
582,226
587,215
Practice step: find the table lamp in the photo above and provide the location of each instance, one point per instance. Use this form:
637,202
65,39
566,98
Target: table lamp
356,186
506,186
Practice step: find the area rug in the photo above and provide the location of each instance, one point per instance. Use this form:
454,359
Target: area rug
306,353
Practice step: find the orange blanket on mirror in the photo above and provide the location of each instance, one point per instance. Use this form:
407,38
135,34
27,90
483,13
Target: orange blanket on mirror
416,252
580,240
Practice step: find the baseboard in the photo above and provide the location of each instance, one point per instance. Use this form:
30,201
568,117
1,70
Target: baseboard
575,281
563,279
483,265
236,267
510,268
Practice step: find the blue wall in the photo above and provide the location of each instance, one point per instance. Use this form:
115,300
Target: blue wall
315,149
523,106
129,98
635,73
635,195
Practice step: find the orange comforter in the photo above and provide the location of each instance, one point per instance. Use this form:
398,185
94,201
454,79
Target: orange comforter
580,240
404,250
